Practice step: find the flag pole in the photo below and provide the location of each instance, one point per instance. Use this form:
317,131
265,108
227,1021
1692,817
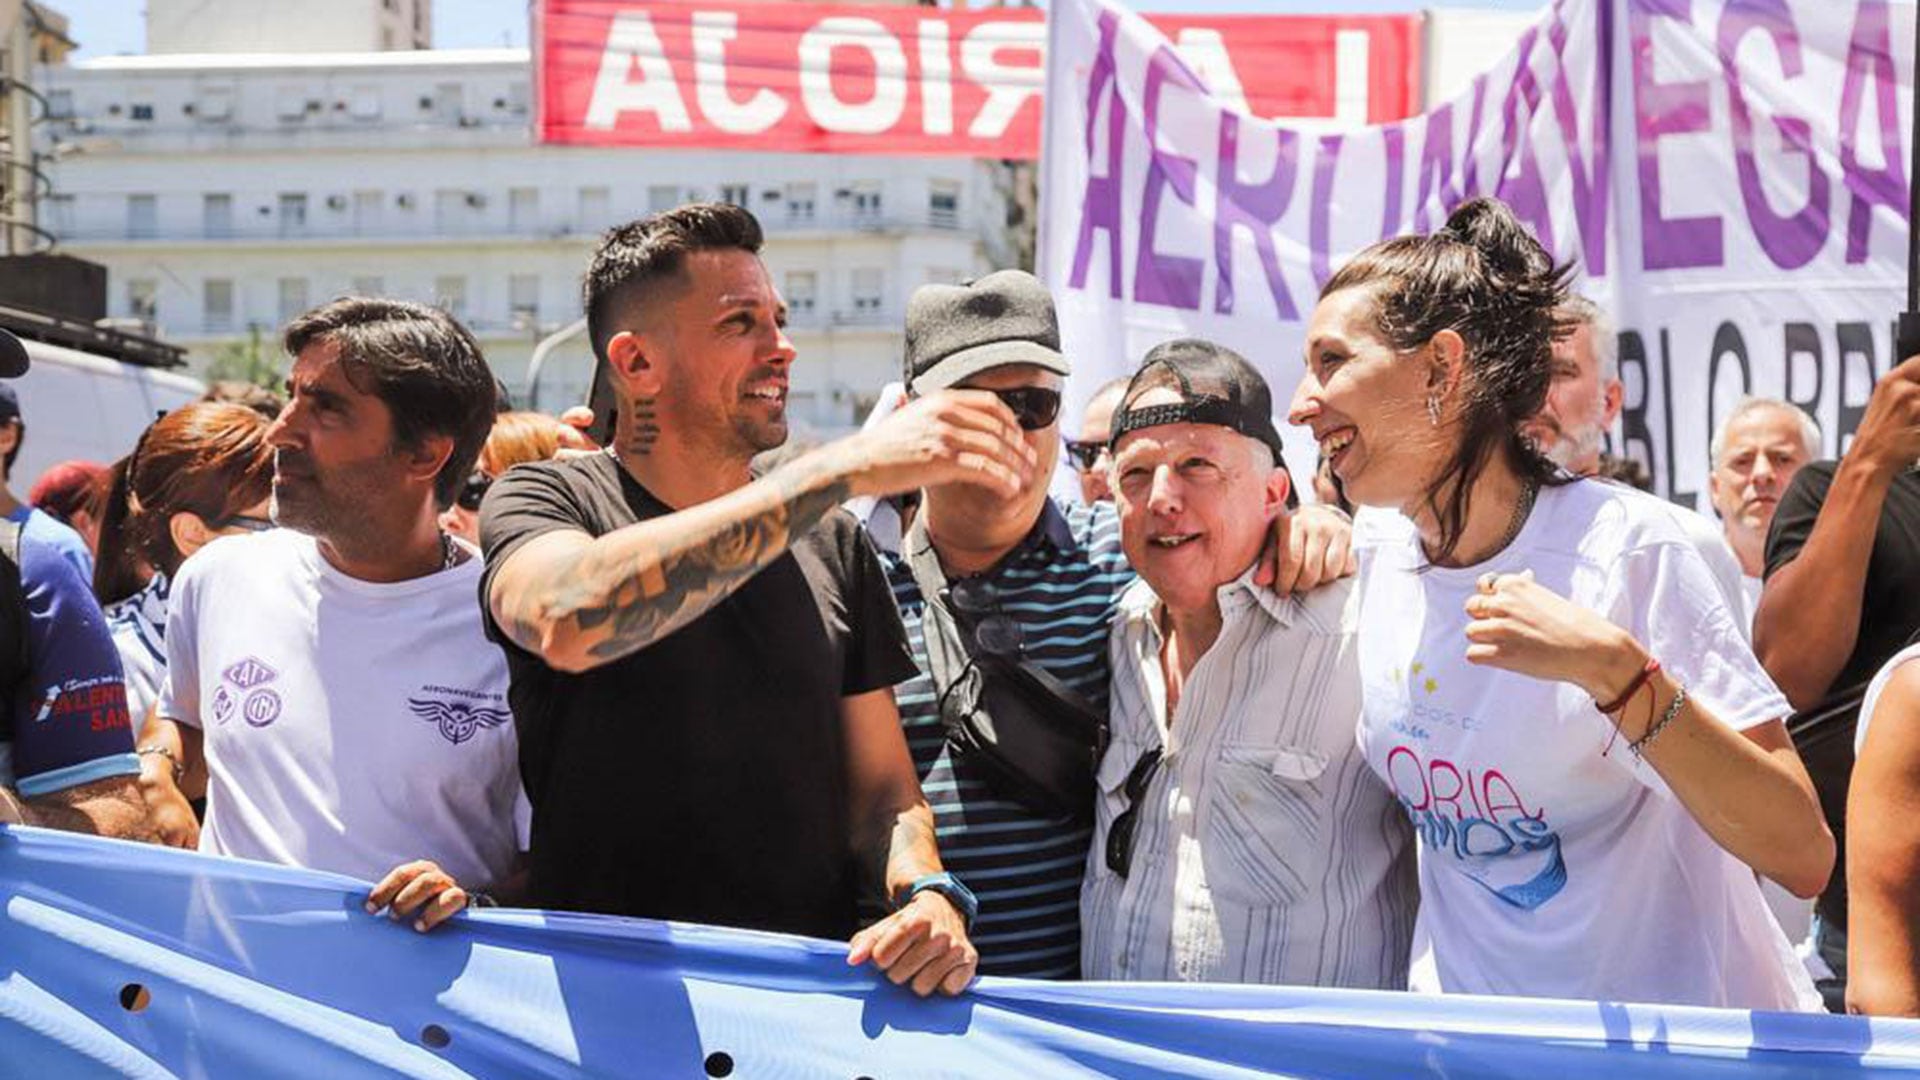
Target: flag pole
1907,336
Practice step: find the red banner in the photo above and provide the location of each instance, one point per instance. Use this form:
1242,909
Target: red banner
913,80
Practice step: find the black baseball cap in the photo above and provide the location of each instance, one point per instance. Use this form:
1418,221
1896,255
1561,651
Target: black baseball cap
13,356
1216,386
957,331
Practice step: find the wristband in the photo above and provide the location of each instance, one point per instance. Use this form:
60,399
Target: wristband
946,885
179,770
1639,745
1633,688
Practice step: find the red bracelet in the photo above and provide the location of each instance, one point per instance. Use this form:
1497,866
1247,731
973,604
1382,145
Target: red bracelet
1633,688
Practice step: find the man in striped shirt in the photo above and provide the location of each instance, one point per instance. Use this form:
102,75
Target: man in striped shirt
1240,835
1058,573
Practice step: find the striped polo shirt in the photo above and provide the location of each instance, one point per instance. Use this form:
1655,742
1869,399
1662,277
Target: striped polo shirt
1063,585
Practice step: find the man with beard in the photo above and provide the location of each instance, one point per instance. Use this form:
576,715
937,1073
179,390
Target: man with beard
1582,405
703,662
329,686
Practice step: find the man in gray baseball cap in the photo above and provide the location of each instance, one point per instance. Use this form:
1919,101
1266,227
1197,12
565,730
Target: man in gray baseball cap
1007,601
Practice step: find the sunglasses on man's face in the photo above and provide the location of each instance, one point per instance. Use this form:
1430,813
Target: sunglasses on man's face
473,491
1035,407
1085,454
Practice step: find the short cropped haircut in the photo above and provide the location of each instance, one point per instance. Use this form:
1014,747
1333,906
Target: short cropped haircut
1579,311
635,260
421,362
1809,429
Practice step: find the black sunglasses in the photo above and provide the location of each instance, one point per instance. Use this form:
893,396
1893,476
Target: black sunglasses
1036,407
473,491
1120,833
249,522
1084,453
994,631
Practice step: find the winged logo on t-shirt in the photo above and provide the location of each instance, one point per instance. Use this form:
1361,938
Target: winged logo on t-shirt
457,722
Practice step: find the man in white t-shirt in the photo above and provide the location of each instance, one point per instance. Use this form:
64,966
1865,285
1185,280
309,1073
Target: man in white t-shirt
329,683
1582,404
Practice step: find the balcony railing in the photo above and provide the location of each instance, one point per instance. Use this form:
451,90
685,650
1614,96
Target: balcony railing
498,327
321,226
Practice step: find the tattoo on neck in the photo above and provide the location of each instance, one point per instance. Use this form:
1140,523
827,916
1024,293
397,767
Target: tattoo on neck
642,428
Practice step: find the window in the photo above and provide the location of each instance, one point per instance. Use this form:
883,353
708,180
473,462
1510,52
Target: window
662,197
215,104
368,285
59,104
866,201
523,208
450,292
293,298
943,203
366,211
143,298
737,194
517,98
293,213
449,210
140,112
945,275
523,298
800,200
216,305
290,104
866,289
803,286
143,216
448,101
365,103
216,214
595,211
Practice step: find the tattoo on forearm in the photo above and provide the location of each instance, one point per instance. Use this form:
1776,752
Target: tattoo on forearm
626,601
640,430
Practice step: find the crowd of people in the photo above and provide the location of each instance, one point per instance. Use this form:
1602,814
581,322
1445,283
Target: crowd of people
1472,719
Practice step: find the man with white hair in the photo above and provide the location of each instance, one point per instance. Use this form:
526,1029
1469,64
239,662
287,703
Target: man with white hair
1756,451
1582,404
1240,834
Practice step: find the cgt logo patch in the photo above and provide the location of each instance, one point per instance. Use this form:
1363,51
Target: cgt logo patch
243,684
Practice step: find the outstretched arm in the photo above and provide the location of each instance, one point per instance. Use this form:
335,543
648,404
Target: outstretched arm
1883,856
578,601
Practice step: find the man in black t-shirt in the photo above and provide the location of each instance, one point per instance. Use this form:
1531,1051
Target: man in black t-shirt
702,663
1842,595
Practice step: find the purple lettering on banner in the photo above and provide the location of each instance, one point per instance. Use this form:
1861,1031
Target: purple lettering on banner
1320,211
1100,206
1793,240
1393,150
1870,56
1256,207
1662,109
1591,187
1170,280
1521,185
1436,167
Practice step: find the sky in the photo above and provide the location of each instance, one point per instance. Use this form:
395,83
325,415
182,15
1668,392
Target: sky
107,27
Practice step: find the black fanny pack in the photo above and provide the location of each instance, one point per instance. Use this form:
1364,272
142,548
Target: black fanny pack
1036,739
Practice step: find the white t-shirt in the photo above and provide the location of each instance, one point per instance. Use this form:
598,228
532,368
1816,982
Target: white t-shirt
349,726
1546,868
1875,689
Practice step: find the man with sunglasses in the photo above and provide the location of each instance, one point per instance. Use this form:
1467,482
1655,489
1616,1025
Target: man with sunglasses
1088,453
1007,598
1242,836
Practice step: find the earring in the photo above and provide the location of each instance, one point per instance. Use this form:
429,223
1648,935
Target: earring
1433,409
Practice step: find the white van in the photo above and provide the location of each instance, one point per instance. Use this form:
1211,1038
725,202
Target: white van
77,405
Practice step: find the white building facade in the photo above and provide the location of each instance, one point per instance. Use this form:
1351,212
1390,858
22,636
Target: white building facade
227,193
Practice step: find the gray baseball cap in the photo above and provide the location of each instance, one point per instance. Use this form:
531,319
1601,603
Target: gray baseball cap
957,331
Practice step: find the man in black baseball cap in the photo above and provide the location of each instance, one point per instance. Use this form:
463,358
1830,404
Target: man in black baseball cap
1265,724
66,741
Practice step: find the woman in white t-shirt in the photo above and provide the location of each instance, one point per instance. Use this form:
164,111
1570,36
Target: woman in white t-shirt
1883,847
1587,818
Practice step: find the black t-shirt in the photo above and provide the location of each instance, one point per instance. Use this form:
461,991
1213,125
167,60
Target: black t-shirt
1889,613
702,778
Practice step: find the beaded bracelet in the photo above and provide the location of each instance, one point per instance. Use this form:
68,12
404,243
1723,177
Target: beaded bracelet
1639,745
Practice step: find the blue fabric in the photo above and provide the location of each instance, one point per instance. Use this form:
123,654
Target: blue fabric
70,723
255,970
39,527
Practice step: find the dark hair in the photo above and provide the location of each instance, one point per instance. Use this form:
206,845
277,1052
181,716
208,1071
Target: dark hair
209,458
1486,278
422,363
254,396
634,260
19,440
